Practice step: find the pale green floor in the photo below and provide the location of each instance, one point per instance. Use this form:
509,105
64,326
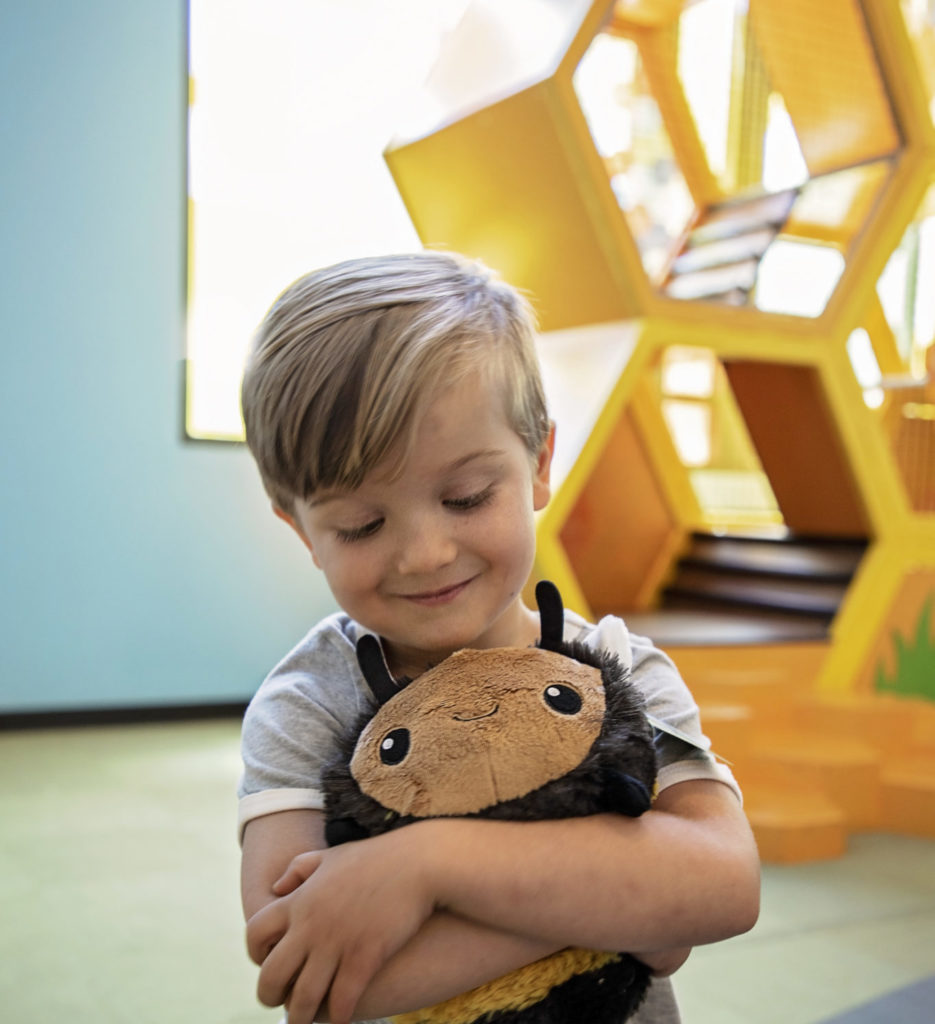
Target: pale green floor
118,897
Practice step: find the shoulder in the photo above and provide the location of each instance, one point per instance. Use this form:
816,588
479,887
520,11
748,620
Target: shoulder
297,717
651,668
334,639
316,688
669,704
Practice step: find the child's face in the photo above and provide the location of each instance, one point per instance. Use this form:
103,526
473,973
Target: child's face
435,558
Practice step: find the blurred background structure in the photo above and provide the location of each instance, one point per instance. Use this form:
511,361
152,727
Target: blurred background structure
724,214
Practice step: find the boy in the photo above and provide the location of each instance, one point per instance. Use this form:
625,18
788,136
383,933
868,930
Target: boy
395,411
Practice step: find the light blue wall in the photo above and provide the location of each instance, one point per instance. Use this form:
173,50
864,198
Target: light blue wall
137,568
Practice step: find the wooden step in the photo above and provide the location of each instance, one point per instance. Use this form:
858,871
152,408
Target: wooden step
799,558
719,257
794,825
723,252
714,282
729,727
907,796
740,216
844,770
698,586
923,724
886,723
725,627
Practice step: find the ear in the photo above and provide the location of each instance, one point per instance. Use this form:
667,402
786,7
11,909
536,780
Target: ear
293,522
541,489
551,616
373,666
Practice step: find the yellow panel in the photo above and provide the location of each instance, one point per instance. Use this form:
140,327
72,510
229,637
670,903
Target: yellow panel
499,185
902,659
867,607
786,411
620,523
821,61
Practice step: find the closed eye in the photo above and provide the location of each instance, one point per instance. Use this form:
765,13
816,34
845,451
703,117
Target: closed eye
359,532
470,501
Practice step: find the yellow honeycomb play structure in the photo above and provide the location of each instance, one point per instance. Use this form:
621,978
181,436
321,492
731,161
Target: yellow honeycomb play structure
725,216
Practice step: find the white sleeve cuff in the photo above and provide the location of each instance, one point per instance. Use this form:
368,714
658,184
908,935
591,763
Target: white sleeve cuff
271,801
693,769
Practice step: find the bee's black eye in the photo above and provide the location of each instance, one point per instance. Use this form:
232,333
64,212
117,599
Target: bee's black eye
562,699
394,746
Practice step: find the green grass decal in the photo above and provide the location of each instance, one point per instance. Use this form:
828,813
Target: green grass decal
914,673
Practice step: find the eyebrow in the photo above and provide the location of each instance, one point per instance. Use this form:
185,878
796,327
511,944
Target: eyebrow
459,463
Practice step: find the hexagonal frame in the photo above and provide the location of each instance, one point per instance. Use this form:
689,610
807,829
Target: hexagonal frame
517,207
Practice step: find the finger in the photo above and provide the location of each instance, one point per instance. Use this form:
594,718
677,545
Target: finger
353,975
308,990
299,870
278,975
264,930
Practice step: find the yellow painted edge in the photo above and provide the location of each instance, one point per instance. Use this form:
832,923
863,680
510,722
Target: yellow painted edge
867,451
892,214
882,337
673,476
895,54
868,601
552,563
608,221
594,20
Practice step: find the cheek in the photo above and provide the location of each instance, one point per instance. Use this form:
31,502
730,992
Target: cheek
346,569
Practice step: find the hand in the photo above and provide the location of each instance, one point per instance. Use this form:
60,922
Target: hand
665,961
345,911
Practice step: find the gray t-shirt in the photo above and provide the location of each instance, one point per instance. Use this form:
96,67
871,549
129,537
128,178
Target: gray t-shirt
315,694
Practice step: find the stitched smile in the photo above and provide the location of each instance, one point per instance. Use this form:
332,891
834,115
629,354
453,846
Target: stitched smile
474,718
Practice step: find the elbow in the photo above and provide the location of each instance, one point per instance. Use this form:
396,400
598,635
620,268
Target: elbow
742,889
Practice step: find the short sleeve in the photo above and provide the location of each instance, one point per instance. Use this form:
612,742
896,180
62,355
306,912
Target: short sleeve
292,726
682,749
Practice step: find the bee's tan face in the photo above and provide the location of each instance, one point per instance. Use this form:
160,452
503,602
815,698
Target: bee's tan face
480,728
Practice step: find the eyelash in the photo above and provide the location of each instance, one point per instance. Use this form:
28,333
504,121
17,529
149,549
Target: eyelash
360,533
470,502
466,504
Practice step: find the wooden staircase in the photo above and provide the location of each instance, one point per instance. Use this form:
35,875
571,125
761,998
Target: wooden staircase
813,769
801,577
719,255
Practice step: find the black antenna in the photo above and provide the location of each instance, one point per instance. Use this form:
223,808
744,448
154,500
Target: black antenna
372,664
551,616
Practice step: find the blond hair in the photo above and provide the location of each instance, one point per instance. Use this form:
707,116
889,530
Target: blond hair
348,356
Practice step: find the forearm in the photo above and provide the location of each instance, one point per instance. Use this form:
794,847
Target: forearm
683,874
421,913
449,955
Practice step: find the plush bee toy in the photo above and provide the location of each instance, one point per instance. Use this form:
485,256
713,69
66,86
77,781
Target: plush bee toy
553,731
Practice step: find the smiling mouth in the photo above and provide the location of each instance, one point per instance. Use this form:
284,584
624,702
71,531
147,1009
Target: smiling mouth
474,718
438,596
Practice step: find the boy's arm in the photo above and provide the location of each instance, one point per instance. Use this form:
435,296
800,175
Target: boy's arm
446,956
685,873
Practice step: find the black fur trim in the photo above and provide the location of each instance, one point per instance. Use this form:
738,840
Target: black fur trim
584,997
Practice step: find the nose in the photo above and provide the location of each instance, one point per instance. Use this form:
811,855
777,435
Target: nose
426,545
